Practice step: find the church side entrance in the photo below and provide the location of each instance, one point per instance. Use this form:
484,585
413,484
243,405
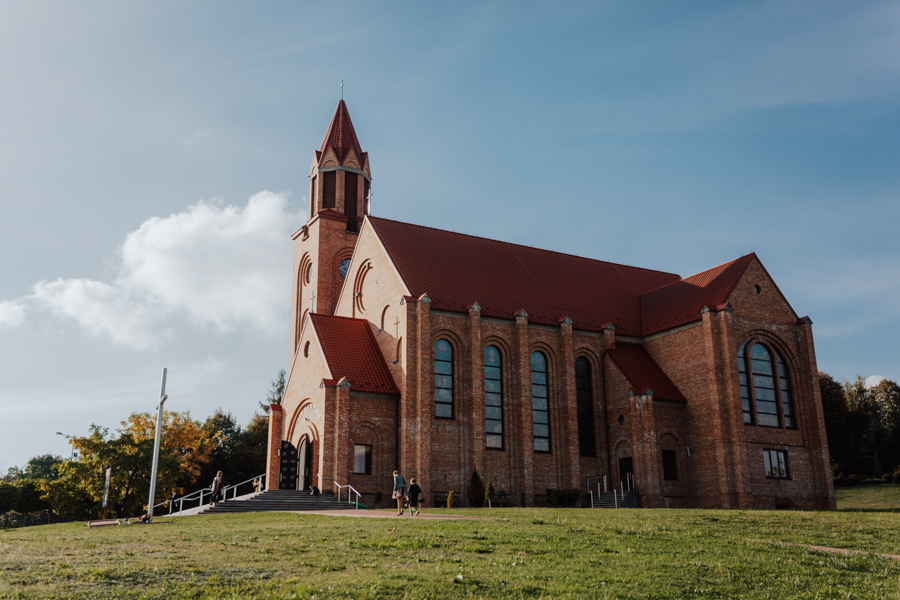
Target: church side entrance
305,463
287,479
626,473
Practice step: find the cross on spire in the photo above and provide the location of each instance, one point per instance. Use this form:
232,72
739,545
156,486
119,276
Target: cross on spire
342,89
312,302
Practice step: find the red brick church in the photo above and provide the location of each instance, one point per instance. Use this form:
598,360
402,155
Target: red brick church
439,353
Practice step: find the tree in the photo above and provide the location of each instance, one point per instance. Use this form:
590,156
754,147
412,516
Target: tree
182,438
225,433
862,424
886,398
240,454
837,417
489,492
44,467
9,497
276,394
250,450
185,447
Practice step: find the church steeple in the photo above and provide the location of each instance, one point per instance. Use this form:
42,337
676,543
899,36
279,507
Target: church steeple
339,177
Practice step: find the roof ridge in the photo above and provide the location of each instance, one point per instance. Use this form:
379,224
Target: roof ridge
514,244
684,279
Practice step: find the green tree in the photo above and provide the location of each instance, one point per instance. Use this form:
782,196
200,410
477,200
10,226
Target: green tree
240,453
275,394
185,447
9,497
837,417
224,432
45,466
250,449
489,492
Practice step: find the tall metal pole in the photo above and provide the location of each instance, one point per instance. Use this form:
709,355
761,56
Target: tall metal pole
159,415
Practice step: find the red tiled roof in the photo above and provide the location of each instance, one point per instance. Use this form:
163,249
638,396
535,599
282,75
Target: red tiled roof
681,301
341,136
351,351
643,373
456,270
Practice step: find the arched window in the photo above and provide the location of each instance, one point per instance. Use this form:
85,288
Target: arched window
584,393
493,398
443,379
765,386
540,408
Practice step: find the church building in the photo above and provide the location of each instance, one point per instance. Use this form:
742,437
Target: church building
438,354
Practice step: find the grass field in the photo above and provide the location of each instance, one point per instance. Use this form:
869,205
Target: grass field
510,553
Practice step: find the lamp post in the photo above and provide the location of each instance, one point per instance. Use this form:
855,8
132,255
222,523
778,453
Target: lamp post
69,437
159,415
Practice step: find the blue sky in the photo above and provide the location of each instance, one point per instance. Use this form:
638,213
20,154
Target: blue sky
155,158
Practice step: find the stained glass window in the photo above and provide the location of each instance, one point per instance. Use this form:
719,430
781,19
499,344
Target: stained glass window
585,399
493,398
443,379
540,410
765,386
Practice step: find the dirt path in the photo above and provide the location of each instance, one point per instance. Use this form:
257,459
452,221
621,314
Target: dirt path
845,552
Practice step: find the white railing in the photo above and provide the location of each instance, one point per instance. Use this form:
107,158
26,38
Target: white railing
618,495
206,492
350,490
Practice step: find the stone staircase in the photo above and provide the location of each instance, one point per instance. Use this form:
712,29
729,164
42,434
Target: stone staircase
614,499
280,500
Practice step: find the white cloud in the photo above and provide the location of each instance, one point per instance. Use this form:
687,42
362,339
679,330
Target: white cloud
225,267
102,309
228,267
873,380
11,314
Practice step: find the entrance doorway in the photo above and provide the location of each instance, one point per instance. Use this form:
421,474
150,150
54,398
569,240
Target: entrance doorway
626,473
288,466
305,462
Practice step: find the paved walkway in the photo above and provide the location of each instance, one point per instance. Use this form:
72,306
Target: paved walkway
385,514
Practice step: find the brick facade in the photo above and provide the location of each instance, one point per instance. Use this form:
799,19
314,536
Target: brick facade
714,459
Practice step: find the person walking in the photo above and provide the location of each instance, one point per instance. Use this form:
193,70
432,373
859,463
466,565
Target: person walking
414,491
399,491
216,488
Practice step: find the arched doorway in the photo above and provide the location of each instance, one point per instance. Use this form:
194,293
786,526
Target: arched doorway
305,462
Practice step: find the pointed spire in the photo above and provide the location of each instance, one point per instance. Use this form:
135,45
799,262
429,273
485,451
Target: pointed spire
341,136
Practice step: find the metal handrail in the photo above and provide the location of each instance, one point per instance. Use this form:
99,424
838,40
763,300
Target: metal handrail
350,488
199,494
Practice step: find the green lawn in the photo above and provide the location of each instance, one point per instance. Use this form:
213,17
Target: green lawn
513,553
868,497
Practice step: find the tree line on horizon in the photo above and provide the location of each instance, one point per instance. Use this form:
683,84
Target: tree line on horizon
862,424
863,428
191,453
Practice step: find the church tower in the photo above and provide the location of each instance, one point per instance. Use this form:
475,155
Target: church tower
339,184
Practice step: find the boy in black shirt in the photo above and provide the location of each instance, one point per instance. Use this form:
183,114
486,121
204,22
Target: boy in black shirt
414,491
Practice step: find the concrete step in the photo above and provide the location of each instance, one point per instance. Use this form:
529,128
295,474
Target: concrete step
281,500
608,500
